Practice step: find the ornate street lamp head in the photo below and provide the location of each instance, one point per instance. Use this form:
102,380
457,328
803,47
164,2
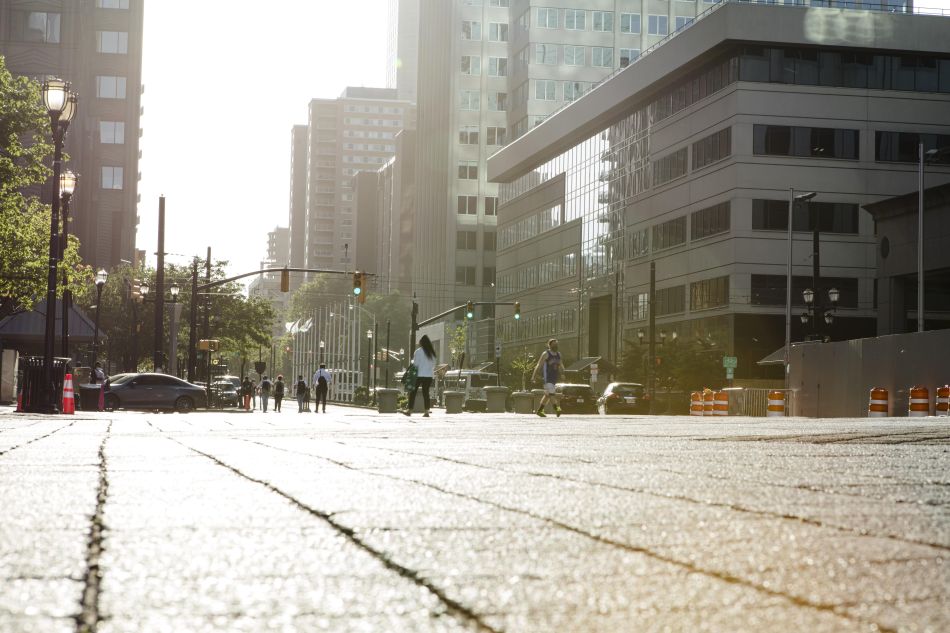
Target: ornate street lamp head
173,290
829,318
69,109
804,318
67,183
834,294
369,334
101,278
809,295
55,95
144,288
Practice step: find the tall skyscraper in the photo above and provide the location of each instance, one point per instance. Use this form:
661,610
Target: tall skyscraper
297,221
402,48
347,135
97,46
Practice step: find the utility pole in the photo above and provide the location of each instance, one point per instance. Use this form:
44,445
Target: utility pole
192,334
206,329
818,311
389,346
160,288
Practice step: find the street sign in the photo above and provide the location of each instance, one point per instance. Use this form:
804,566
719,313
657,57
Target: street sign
497,350
208,345
730,362
593,368
730,373
259,367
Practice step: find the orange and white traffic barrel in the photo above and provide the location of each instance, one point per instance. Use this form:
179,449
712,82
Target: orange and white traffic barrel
69,396
695,403
878,403
709,402
776,404
919,404
943,400
721,404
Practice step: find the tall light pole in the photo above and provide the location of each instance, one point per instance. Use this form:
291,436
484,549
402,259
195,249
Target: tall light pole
925,157
792,200
60,102
174,289
369,357
101,278
67,185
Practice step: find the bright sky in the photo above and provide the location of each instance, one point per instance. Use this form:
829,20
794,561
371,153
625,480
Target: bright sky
224,83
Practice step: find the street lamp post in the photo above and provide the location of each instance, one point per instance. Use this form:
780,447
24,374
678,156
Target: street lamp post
60,102
815,314
925,157
67,185
792,200
101,278
174,289
369,357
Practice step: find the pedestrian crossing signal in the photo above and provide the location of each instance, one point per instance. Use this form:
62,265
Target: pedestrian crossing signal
285,280
357,284
469,310
517,310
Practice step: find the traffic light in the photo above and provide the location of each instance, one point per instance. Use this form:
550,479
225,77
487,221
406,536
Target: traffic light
362,294
285,280
469,310
357,284
517,310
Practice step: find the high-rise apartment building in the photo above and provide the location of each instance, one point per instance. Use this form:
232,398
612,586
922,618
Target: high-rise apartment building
347,135
297,220
402,48
97,47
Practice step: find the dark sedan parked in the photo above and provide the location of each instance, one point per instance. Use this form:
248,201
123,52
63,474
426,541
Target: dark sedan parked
152,391
576,398
624,397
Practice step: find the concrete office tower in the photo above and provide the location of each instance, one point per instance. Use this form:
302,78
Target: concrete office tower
297,225
97,46
462,100
685,160
347,135
402,48
561,49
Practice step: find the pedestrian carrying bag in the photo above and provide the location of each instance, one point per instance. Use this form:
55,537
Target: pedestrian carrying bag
410,377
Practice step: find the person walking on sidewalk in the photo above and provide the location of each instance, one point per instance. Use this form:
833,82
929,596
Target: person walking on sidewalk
278,392
265,392
549,368
300,390
247,390
321,385
424,360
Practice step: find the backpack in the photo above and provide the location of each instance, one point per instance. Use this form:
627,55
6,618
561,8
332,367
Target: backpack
301,387
279,388
322,382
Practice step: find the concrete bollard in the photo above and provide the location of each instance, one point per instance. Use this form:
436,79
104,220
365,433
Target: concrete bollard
497,399
919,404
454,401
943,401
524,402
878,403
386,400
776,405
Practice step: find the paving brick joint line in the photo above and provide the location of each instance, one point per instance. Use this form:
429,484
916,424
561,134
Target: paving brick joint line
37,439
453,607
87,621
725,577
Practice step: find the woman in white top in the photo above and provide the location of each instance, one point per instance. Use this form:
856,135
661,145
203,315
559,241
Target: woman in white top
424,360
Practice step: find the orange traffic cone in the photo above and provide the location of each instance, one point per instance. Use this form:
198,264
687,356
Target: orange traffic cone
19,402
69,397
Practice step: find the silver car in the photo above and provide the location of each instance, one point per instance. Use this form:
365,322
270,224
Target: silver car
152,391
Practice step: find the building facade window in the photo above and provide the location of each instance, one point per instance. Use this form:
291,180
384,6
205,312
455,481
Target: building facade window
545,18
545,89
470,100
658,25
471,65
498,32
714,147
491,205
769,290
488,276
498,101
465,275
468,170
832,217
902,147
495,135
112,4
112,177
112,132
682,21
575,19
709,293
468,135
466,240
108,87
490,241
628,56
575,89
471,30
670,233
602,21
812,142
574,55
36,26
545,53
112,42
630,23
710,221
602,56
497,66
669,167
670,300
468,205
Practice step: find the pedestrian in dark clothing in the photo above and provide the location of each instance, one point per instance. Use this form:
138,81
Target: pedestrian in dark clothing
321,384
247,390
278,392
300,389
265,392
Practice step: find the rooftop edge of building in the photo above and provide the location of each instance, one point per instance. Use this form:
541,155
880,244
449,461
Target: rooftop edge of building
729,21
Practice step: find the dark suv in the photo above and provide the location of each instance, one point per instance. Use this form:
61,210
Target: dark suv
576,398
624,397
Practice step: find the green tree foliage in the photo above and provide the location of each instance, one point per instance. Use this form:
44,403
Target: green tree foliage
522,365
682,365
25,144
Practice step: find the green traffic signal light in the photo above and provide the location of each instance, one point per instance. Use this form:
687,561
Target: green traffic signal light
470,310
357,284
517,310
